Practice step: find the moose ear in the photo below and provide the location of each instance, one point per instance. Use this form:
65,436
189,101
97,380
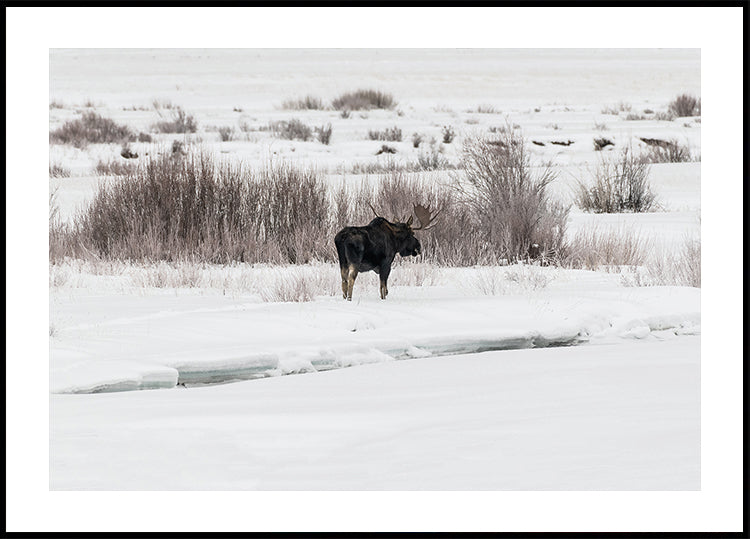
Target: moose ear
409,221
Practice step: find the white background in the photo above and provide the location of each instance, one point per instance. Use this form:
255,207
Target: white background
31,32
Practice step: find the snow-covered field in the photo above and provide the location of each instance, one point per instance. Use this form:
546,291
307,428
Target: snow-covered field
497,378
621,416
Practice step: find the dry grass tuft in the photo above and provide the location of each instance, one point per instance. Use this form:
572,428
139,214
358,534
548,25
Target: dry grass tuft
308,102
390,134
58,171
364,100
593,249
682,268
293,129
685,105
181,122
114,167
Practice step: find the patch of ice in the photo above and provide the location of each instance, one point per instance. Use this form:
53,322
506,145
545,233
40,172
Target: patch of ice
413,351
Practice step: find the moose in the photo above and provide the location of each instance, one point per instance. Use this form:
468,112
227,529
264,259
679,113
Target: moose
374,246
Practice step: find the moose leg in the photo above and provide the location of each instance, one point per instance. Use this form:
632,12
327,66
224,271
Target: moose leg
384,272
350,282
344,280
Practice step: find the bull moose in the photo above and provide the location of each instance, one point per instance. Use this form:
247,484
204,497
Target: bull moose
374,246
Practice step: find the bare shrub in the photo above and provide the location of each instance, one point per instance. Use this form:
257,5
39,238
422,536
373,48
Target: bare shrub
635,117
390,134
671,152
364,100
685,105
416,140
324,133
226,133
91,128
55,104
509,198
448,134
195,208
144,137
181,122
664,116
308,102
432,159
618,186
114,167
293,129
58,171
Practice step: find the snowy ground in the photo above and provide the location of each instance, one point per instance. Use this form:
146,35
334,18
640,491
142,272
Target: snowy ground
615,410
598,417
109,342
425,405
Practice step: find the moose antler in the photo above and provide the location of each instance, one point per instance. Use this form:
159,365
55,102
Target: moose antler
425,217
373,210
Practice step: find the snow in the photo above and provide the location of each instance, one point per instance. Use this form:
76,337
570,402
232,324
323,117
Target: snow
110,341
596,417
259,80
